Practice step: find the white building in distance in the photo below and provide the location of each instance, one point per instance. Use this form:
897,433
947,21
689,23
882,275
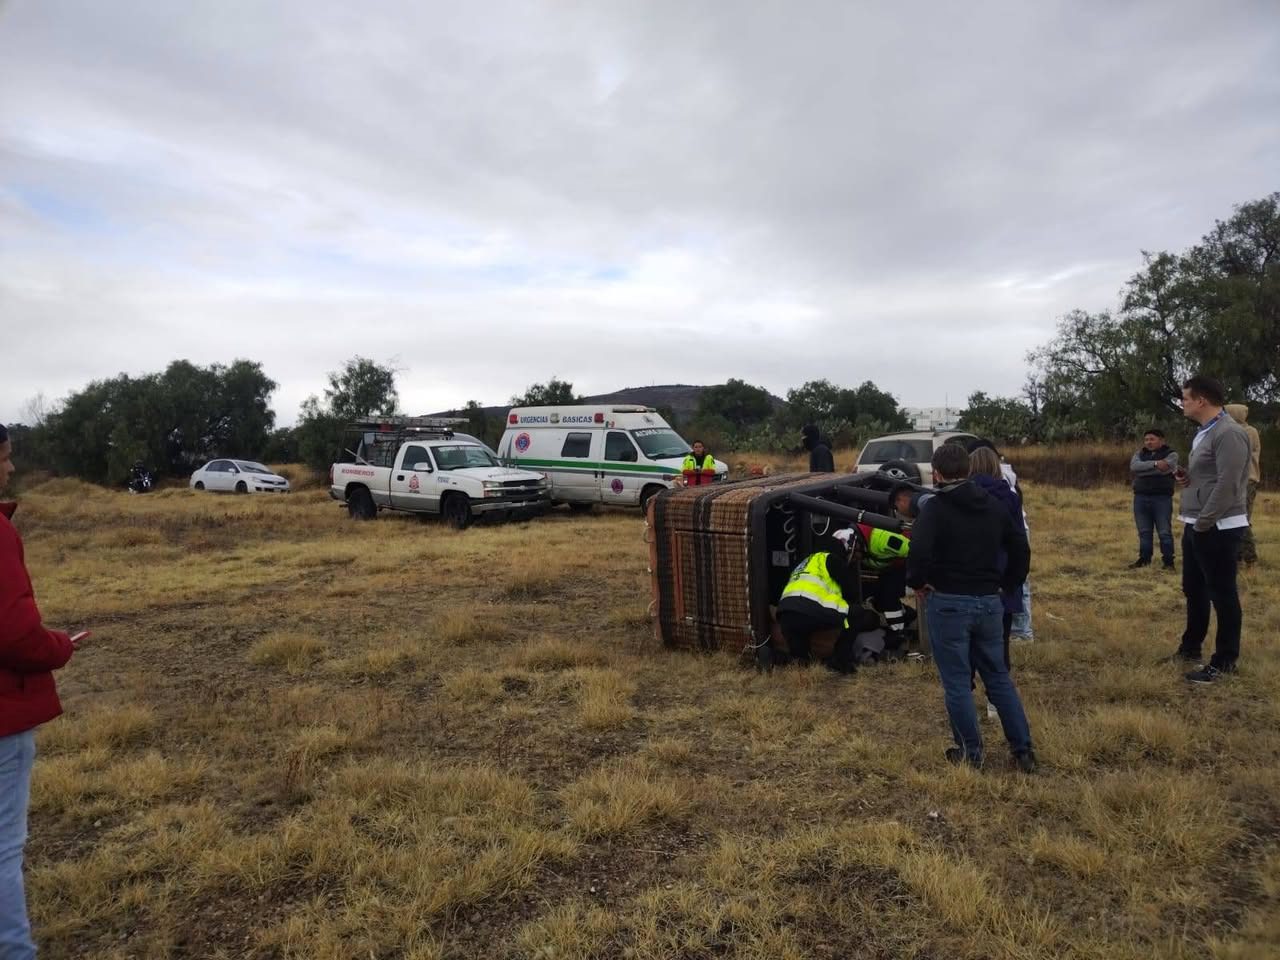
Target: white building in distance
933,418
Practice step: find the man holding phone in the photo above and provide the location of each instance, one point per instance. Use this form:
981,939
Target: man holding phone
1214,517
28,655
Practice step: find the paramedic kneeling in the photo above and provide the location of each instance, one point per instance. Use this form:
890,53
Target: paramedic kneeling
814,600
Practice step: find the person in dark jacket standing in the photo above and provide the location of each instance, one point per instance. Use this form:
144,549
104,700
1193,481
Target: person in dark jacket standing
28,698
1153,467
820,458
955,568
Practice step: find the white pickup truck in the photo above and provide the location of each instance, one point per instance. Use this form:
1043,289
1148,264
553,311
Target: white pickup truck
418,465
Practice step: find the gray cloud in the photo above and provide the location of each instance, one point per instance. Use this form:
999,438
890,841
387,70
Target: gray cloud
616,193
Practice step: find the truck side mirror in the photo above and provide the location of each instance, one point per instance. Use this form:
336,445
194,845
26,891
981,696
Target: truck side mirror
422,467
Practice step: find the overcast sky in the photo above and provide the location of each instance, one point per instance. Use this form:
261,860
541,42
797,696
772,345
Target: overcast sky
489,194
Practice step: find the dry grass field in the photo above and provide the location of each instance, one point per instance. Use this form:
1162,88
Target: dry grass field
294,736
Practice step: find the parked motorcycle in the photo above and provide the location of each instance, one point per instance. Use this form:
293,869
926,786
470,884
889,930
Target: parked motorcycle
140,479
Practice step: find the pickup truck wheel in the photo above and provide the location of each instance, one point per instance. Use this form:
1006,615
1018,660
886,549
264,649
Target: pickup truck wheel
360,505
242,487
901,470
581,507
457,511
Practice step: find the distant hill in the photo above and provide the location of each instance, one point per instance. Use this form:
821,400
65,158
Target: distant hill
680,398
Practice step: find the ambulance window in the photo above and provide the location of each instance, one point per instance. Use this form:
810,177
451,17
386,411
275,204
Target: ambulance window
577,445
618,447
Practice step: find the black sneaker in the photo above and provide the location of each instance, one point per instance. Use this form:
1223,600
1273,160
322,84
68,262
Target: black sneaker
1181,657
1138,563
957,756
1026,762
1168,565
1209,674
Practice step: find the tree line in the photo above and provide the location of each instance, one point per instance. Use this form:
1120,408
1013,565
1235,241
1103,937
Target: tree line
176,420
1214,308
1103,376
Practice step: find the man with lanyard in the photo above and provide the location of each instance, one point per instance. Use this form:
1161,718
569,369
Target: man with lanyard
1214,516
699,466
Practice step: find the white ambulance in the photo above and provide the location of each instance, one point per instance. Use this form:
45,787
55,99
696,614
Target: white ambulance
620,455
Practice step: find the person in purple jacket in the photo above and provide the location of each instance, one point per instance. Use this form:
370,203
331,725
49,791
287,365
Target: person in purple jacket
986,471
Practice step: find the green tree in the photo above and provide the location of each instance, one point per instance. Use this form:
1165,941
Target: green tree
319,434
814,402
737,402
871,404
555,392
1214,308
282,446
362,388
480,424
1002,419
822,402
171,420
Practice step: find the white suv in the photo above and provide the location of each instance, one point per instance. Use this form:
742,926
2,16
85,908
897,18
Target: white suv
906,456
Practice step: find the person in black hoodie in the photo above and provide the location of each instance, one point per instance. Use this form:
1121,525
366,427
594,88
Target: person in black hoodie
955,568
820,458
1153,467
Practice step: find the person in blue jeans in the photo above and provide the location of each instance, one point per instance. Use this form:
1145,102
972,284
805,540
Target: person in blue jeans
965,551
28,698
1153,468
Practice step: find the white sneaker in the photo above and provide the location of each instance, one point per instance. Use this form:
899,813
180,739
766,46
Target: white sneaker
992,712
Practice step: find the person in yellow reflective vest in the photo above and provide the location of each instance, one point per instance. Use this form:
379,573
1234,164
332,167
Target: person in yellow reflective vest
814,599
699,466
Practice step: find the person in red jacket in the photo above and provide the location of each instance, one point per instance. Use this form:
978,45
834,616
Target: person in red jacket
28,698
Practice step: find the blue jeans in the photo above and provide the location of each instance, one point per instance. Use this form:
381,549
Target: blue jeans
17,754
1154,511
1021,626
966,634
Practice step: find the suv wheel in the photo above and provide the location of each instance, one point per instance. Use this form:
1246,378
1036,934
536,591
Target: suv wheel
901,470
457,511
360,505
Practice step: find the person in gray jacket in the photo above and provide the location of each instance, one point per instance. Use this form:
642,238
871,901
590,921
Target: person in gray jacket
1152,468
1212,511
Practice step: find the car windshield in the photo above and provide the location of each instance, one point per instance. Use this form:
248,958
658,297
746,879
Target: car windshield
882,451
248,466
660,443
457,456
